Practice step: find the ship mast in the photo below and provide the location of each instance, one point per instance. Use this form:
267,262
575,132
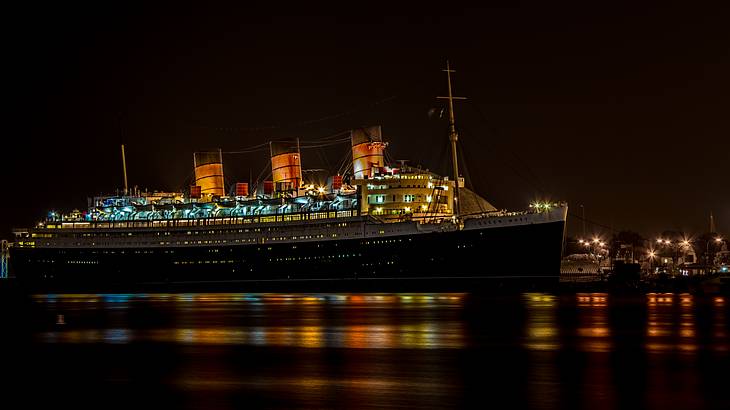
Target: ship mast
124,170
453,137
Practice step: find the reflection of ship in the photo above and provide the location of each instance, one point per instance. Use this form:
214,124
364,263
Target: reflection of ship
298,330
375,223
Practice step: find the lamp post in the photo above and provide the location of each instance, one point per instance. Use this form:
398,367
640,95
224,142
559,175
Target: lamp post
652,255
673,250
587,244
685,245
717,240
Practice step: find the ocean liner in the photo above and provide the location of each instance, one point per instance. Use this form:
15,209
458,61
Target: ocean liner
377,225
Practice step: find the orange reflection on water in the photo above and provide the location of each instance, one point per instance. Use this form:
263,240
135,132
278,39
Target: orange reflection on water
357,336
687,332
654,329
593,330
660,298
669,329
720,340
592,299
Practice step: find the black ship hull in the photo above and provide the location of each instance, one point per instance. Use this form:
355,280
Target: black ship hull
523,256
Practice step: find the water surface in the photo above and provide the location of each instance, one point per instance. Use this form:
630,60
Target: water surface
535,350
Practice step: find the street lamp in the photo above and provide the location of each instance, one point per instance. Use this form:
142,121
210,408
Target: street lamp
717,240
587,245
652,255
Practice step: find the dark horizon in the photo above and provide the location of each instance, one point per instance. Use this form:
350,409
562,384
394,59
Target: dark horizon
622,110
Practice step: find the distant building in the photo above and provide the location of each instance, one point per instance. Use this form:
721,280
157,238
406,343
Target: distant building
580,267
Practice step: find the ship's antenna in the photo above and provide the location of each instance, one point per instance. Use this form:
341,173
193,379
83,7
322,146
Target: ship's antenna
124,169
453,137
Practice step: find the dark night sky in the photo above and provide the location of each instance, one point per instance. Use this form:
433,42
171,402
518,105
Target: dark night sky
622,109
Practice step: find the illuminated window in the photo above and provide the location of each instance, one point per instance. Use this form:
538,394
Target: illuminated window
376,199
409,198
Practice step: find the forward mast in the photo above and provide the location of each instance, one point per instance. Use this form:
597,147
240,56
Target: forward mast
453,137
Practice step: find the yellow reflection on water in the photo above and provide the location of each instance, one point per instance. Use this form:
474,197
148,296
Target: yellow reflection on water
311,337
541,332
